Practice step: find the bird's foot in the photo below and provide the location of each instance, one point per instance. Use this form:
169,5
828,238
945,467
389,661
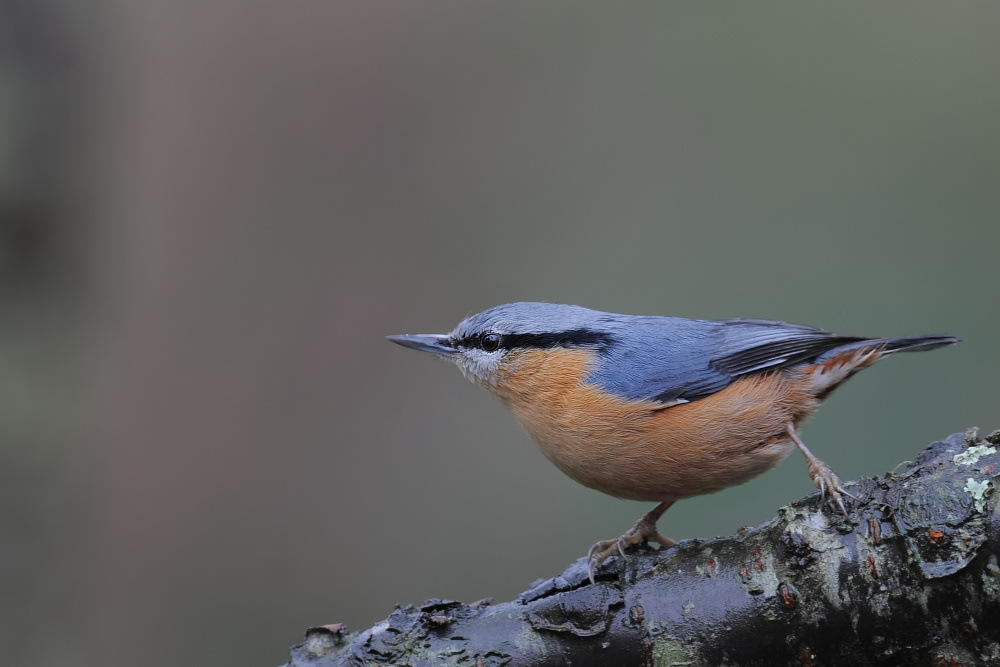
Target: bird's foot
822,475
644,530
825,480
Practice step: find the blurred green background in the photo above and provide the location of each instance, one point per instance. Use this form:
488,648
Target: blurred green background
212,213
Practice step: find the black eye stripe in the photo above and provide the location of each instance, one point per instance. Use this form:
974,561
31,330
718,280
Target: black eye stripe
571,338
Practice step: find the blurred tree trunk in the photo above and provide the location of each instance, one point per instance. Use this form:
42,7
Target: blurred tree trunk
911,577
49,58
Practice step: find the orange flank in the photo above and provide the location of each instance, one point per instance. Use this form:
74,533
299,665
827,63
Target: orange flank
639,449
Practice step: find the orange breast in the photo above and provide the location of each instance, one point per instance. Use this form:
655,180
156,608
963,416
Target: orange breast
639,450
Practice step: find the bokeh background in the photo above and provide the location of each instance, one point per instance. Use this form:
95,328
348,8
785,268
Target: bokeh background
212,213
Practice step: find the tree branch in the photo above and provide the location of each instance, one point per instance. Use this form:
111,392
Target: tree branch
910,577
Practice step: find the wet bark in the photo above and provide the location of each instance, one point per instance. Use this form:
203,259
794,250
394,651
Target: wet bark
909,577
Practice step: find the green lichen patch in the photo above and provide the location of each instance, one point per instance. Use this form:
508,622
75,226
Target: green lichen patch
979,491
671,653
973,454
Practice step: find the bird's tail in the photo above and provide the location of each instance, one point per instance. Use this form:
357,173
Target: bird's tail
832,368
918,343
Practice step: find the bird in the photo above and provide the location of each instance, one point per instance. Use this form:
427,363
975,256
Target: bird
659,408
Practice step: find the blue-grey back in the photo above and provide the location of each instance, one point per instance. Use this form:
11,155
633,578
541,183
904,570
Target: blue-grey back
658,357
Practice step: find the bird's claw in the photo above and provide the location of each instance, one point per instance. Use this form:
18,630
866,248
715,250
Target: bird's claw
643,531
825,480
621,547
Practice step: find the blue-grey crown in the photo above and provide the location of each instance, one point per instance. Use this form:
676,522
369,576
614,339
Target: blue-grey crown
532,324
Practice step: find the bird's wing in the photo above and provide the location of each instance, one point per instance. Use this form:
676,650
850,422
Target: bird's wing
753,346
677,361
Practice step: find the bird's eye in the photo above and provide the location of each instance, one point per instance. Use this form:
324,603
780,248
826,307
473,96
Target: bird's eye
490,342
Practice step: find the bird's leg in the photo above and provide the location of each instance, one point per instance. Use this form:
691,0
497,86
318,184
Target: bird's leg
822,475
644,530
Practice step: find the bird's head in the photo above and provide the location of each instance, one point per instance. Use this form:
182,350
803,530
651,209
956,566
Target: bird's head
485,344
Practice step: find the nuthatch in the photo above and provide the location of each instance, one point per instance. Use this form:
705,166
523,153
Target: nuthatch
658,408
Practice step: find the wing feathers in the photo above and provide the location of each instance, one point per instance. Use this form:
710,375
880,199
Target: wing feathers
671,360
779,354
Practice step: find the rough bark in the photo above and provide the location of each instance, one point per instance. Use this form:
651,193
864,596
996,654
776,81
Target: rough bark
909,578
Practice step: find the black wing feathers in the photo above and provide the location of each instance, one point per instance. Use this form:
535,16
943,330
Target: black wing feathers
779,354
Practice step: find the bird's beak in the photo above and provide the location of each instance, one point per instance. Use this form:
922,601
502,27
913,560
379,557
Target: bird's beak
433,343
